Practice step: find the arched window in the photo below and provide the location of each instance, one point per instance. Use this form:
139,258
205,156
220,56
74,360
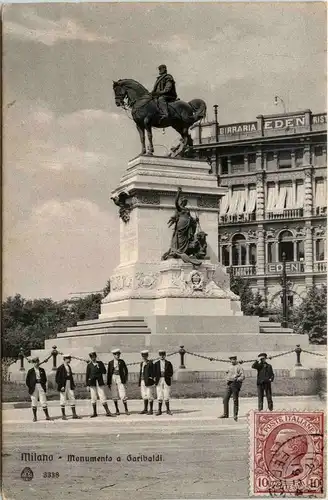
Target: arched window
238,250
286,245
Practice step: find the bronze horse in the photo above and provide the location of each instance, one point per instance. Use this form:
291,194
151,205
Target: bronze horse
146,114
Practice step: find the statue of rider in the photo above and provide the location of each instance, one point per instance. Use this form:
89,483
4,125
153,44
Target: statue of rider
164,90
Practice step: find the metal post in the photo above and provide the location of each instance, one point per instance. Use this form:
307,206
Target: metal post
298,351
54,353
21,358
216,140
284,293
182,353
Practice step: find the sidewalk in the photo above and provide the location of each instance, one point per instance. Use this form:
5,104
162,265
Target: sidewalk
204,406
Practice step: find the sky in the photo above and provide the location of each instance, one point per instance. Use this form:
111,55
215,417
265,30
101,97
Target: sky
66,144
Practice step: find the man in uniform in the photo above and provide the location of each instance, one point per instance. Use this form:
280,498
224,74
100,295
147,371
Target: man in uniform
163,373
146,382
164,90
36,381
65,386
117,377
95,381
235,378
265,376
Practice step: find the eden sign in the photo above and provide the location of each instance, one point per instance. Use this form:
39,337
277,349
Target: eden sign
292,121
291,267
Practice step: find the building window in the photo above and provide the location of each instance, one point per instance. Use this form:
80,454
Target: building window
286,246
270,161
299,250
319,250
319,156
237,164
224,165
225,256
271,252
252,254
285,159
238,250
299,157
252,162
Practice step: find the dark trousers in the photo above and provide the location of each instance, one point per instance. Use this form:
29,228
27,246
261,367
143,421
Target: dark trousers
232,389
265,387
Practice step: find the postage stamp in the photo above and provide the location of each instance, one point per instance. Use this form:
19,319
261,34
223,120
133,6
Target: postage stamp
287,454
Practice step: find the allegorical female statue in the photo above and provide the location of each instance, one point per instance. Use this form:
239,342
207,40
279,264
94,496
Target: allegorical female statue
184,229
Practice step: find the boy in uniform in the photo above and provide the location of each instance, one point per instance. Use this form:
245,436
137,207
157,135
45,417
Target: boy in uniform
163,373
95,381
117,376
65,385
36,381
146,381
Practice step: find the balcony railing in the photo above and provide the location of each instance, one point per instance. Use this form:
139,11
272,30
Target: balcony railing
287,213
243,270
235,218
291,267
320,267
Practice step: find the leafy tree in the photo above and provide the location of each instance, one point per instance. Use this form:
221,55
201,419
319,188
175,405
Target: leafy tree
106,290
251,305
311,316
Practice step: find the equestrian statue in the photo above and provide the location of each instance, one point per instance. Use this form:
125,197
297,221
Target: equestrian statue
160,108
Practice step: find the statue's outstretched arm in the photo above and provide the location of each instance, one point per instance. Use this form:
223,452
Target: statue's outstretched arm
177,198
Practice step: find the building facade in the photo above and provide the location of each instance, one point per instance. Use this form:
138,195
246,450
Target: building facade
275,170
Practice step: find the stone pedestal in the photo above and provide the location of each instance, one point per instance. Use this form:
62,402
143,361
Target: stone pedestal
142,284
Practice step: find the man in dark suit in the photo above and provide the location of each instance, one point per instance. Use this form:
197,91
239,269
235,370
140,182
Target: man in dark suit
117,377
146,382
163,373
95,381
36,381
164,90
265,376
65,386
235,377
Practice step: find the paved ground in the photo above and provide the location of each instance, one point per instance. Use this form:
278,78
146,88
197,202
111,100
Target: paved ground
201,456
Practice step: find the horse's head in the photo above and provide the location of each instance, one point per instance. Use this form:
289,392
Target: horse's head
120,93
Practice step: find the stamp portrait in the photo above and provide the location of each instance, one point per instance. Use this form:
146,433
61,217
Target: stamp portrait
286,453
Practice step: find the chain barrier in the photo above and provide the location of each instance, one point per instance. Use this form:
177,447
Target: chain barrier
182,352
313,353
87,361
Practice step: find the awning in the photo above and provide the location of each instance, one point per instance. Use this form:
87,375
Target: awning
251,201
224,204
320,195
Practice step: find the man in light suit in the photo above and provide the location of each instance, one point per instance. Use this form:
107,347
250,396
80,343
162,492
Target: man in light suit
235,377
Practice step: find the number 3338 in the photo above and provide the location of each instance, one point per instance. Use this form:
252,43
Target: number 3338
51,475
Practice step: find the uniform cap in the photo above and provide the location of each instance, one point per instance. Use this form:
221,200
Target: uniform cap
92,354
116,351
232,357
34,360
145,351
262,355
67,356
161,351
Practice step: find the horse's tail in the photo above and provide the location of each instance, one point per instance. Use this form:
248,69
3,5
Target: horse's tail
199,108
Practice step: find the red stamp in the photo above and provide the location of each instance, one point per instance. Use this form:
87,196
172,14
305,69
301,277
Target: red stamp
287,454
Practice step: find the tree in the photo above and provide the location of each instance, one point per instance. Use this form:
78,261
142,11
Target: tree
251,305
311,316
106,290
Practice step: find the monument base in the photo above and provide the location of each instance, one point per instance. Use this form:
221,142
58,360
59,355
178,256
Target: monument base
168,288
